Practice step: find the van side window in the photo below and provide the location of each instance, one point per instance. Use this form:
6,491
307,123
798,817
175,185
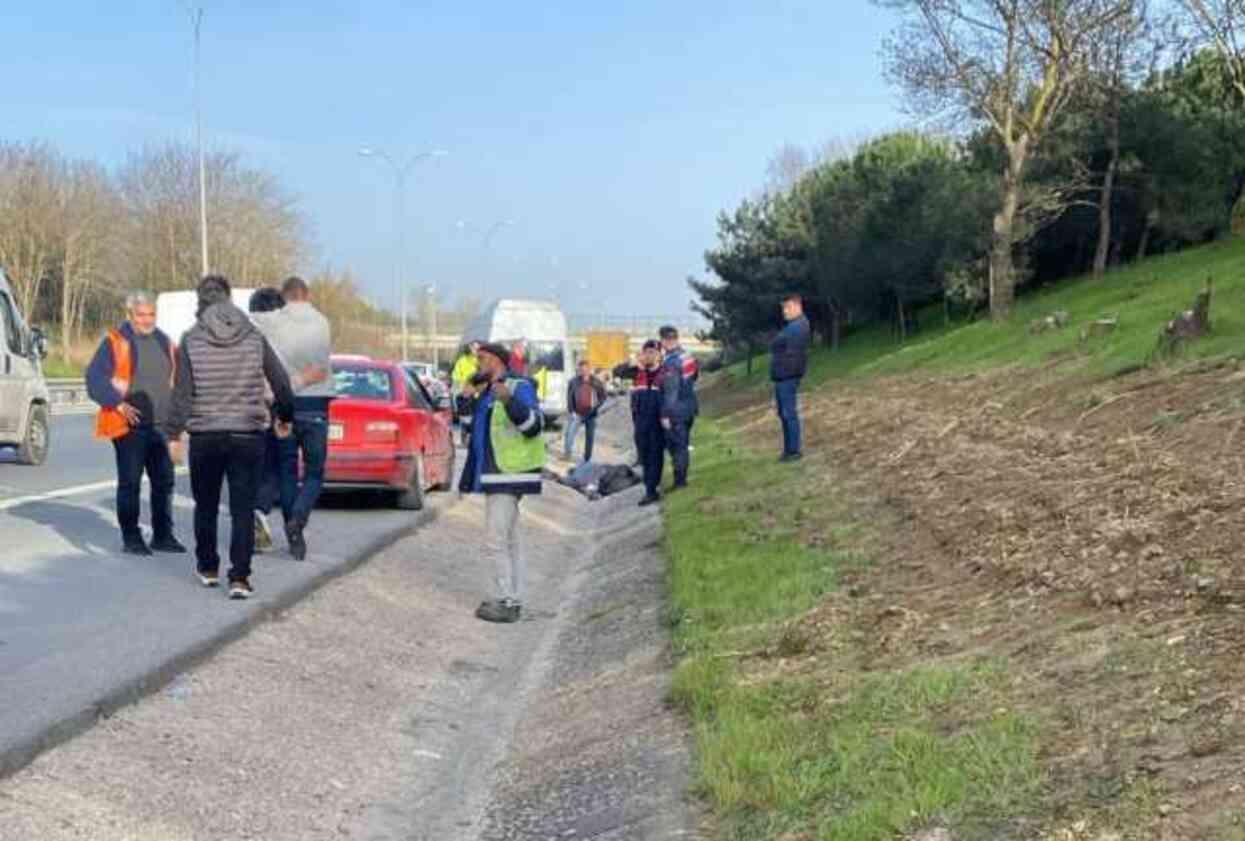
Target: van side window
12,335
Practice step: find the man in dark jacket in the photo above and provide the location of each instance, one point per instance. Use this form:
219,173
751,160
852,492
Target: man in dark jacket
220,398
680,405
131,378
788,362
504,462
647,379
585,395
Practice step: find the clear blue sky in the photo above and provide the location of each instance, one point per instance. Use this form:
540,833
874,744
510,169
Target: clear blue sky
612,135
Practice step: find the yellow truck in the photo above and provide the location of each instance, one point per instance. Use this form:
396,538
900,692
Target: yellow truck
607,349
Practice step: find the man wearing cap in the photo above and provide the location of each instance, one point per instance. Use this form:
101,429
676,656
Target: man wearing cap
679,404
504,462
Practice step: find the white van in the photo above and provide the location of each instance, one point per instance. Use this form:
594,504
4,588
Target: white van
175,311
542,326
25,416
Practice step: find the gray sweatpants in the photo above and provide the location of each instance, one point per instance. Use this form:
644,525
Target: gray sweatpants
502,546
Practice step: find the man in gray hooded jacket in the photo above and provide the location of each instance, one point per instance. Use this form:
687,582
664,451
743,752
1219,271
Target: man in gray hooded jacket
219,397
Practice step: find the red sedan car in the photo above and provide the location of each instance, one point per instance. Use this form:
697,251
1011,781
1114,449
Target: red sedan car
387,433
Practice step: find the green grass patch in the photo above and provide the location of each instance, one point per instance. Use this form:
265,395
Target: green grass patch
860,756
59,369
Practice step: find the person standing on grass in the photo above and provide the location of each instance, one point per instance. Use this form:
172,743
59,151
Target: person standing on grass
788,363
219,397
646,402
680,405
585,395
131,378
504,462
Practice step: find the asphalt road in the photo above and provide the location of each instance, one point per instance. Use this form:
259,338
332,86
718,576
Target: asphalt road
84,629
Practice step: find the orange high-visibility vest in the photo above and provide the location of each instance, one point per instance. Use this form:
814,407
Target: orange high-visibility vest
110,424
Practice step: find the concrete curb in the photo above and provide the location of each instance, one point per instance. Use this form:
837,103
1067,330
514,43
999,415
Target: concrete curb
17,756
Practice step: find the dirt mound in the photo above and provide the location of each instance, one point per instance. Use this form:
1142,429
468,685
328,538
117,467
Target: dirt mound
1085,534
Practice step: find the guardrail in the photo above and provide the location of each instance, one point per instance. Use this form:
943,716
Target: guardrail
67,395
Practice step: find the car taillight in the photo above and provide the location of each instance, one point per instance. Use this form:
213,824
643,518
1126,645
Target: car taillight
382,431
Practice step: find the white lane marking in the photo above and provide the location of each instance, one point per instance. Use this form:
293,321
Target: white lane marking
61,493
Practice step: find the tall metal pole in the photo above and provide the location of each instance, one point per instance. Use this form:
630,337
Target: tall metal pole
399,212
203,236
436,354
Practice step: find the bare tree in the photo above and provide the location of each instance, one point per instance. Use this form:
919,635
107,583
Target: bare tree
1220,23
29,181
1013,64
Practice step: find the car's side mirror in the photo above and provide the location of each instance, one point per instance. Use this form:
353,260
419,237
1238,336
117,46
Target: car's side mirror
38,343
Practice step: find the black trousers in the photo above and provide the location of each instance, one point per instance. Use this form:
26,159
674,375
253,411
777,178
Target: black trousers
144,449
650,447
216,457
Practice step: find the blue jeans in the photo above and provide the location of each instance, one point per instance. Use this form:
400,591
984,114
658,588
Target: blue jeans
785,392
311,438
574,421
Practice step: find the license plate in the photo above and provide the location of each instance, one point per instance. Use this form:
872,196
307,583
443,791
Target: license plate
337,432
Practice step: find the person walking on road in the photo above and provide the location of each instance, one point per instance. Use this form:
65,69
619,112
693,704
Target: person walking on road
504,462
680,405
585,395
788,362
131,378
266,308
219,397
303,340
646,404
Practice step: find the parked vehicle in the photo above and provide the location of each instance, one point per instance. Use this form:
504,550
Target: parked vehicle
25,413
542,326
387,433
425,373
175,311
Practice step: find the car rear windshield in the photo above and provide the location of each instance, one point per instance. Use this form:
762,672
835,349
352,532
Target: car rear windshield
362,383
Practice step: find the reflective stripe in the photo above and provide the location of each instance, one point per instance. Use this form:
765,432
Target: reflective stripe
510,478
529,423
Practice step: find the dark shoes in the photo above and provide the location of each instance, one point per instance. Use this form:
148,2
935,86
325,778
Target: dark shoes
787,457
240,588
503,612
169,545
294,537
650,499
136,547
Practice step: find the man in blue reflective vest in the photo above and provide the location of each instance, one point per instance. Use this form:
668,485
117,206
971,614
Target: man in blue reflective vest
504,462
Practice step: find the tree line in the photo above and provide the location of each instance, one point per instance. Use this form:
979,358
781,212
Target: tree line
76,236
1062,138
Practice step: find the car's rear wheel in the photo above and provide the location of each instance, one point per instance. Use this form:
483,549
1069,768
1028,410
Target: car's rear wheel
412,499
34,447
448,484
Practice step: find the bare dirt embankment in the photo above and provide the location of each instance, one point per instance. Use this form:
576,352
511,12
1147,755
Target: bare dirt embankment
1087,537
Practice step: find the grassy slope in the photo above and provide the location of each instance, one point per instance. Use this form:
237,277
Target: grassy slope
1142,296
782,752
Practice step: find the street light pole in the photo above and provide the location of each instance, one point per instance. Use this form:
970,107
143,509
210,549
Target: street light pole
197,17
432,340
399,212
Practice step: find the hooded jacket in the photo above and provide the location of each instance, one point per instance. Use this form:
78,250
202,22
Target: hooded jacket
221,368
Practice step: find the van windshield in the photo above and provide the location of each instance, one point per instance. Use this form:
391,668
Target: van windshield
546,355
